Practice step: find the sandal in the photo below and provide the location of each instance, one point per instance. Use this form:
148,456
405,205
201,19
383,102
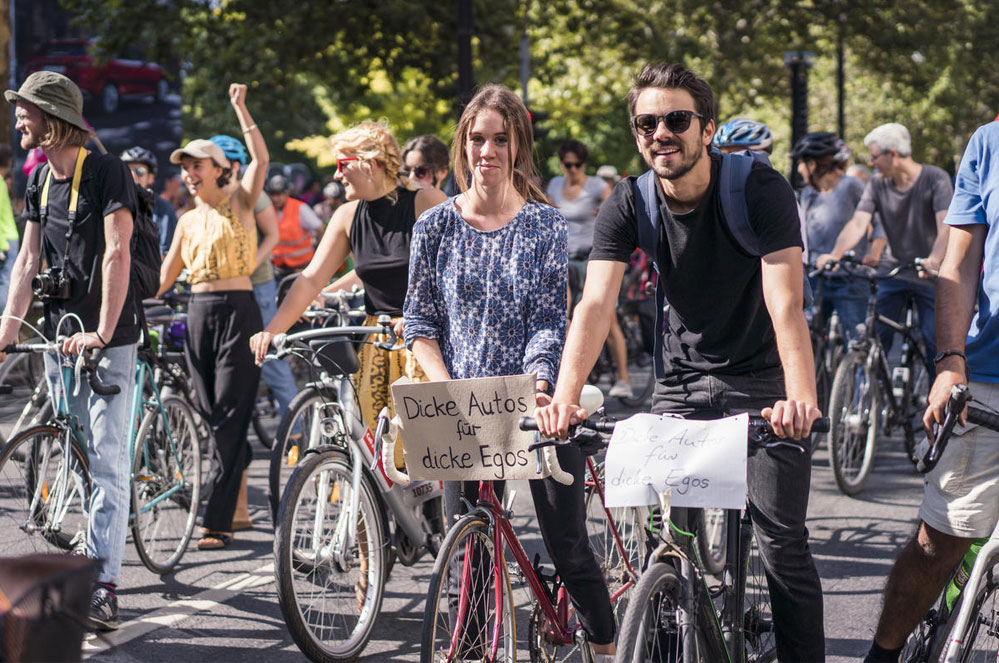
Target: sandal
213,540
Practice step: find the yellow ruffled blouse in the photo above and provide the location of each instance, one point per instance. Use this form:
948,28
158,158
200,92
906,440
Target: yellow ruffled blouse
215,245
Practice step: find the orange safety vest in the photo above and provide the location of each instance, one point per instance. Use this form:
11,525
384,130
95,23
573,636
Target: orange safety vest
294,248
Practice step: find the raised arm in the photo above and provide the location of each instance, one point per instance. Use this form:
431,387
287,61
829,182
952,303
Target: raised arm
252,182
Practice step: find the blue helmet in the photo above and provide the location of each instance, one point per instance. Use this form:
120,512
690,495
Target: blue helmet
744,134
232,148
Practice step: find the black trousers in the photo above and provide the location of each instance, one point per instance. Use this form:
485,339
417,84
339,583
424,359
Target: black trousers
219,326
779,481
562,520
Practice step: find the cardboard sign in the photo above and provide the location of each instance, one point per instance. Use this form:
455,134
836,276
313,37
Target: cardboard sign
703,463
467,429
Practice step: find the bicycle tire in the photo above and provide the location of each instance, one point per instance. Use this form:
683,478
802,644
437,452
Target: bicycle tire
711,525
58,518
853,423
290,442
918,389
981,641
651,630
166,484
758,628
264,411
319,594
439,626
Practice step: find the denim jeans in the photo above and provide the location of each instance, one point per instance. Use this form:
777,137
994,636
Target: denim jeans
778,501
891,300
848,297
104,420
277,374
5,269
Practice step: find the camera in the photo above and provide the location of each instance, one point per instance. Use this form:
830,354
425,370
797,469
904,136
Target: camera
51,284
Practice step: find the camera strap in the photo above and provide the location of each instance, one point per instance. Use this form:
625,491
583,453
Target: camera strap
74,199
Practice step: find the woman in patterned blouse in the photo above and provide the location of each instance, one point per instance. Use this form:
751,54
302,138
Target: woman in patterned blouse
487,297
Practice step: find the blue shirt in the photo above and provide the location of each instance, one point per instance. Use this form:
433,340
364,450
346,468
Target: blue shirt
166,222
976,200
494,301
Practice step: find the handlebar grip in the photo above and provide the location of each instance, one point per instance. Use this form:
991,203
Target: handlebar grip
527,423
983,418
98,387
6,389
549,456
19,347
821,425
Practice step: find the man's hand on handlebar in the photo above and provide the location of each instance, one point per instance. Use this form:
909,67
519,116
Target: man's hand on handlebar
791,419
554,419
928,267
821,261
871,260
948,376
259,344
81,342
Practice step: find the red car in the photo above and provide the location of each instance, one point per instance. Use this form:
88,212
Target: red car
126,76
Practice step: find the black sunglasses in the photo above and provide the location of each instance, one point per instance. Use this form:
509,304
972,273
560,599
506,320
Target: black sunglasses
572,164
676,121
419,172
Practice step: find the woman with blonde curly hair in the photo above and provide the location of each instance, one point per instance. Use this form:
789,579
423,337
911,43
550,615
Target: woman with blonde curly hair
376,224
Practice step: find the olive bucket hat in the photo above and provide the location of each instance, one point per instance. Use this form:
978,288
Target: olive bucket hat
53,93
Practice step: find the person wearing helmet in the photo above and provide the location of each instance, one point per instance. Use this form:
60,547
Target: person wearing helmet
298,227
142,163
276,374
827,203
741,134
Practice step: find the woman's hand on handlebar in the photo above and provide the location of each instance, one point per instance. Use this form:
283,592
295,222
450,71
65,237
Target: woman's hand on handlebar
791,419
397,326
260,343
554,419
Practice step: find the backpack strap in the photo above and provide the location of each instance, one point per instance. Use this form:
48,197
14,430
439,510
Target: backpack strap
732,178
649,235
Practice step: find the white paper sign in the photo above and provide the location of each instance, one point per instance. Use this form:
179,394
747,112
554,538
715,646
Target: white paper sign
702,462
467,429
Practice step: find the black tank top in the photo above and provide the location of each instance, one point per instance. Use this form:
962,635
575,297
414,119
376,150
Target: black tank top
379,237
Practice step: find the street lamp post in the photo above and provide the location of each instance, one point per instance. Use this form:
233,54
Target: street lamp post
798,62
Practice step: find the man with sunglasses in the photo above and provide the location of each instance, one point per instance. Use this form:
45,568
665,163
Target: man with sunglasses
733,338
142,163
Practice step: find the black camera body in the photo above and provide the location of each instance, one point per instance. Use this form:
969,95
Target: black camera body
51,284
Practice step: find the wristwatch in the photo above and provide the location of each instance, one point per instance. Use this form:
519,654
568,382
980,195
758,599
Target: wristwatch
940,356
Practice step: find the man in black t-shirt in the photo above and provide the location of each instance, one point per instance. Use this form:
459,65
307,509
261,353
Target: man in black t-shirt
734,335
94,255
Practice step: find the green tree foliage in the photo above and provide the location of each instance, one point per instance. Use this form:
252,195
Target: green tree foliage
318,67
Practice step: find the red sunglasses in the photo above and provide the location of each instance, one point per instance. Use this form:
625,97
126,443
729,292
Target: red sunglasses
343,160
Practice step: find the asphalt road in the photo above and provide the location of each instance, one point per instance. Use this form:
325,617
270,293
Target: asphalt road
221,606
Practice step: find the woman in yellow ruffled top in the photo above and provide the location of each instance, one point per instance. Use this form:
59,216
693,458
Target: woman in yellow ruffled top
217,243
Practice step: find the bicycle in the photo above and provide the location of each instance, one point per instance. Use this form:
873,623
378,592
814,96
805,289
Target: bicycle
964,628
339,512
828,346
485,532
868,396
675,615
165,479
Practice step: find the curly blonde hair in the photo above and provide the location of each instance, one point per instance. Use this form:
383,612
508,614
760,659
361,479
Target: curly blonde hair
371,142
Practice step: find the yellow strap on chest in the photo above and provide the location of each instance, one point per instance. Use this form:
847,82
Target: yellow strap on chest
74,195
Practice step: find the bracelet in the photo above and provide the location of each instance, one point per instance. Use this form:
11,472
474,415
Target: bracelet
100,338
249,128
940,356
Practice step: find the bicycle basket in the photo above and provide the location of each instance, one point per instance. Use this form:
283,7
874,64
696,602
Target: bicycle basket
44,600
336,356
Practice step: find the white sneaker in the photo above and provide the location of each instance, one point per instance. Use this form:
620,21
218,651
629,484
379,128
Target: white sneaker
621,389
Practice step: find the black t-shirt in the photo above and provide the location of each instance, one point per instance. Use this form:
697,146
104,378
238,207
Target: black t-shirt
105,186
717,320
379,237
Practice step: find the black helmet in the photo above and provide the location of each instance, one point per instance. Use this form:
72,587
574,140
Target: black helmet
139,155
821,144
276,184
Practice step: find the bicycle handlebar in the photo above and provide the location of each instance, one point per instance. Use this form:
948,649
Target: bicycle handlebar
929,452
283,343
86,363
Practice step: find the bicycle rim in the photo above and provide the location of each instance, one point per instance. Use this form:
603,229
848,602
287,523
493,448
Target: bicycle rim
166,484
330,591
853,423
982,637
462,609
42,495
711,529
758,626
653,630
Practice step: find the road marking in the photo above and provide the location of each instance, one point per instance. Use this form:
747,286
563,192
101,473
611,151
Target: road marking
178,611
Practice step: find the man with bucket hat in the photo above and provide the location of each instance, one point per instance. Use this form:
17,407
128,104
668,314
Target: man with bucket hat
79,210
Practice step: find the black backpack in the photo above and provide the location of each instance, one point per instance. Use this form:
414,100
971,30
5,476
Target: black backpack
146,259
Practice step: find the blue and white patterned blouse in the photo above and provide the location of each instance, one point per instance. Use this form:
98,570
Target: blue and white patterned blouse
494,301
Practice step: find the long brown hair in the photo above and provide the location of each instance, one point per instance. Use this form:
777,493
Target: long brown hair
517,122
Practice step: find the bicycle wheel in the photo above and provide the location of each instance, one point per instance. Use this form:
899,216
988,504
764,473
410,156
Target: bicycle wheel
982,637
853,423
758,626
166,484
621,564
466,629
42,493
711,525
652,628
919,389
264,418
329,586
311,421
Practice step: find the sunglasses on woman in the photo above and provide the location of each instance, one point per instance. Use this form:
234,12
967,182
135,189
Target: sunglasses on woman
343,161
419,172
676,121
